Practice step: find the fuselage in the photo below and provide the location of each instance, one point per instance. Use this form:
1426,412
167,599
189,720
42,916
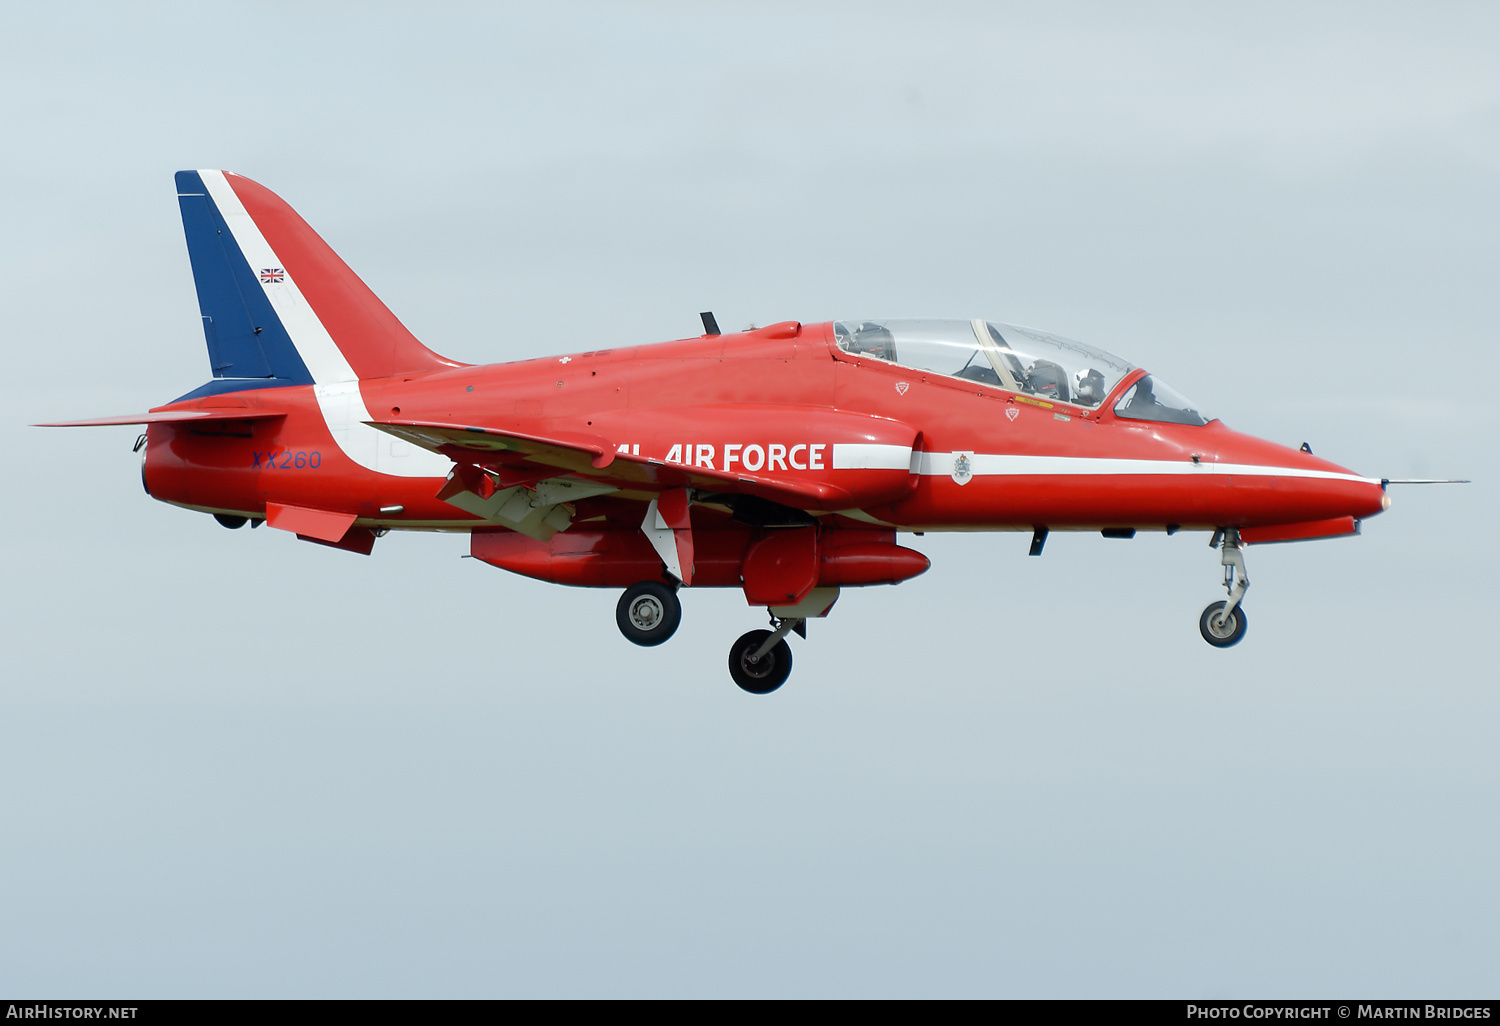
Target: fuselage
764,405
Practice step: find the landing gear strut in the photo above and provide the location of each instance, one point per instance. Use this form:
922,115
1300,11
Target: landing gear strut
1223,623
761,661
648,613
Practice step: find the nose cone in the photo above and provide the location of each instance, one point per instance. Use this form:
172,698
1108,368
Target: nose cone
1279,485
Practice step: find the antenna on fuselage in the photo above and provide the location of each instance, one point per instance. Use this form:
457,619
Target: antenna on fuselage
710,326
1423,480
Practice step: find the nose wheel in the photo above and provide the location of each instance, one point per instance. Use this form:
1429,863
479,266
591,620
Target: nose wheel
1220,628
648,613
1223,623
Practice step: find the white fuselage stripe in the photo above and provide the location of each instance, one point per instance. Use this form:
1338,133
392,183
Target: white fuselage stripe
940,464
334,382
870,456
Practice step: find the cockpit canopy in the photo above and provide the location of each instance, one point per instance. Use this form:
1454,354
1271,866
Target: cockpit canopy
1013,358
1002,355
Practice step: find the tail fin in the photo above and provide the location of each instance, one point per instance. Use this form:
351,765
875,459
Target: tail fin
278,304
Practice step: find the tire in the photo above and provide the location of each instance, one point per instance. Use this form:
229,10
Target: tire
766,674
234,523
1232,630
648,613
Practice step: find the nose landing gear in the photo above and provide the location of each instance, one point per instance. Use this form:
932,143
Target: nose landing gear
1220,628
1223,623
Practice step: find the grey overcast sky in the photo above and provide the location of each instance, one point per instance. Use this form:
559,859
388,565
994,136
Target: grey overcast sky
237,764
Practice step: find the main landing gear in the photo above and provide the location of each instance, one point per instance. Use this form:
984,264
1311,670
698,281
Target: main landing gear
761,661
1223,623
648,613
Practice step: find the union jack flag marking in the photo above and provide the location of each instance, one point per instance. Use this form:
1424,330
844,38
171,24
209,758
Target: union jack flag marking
272,274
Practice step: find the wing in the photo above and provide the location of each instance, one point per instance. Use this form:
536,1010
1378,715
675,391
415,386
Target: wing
592,456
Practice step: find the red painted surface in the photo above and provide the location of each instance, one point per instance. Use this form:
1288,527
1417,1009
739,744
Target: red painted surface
358,539
610,557
673,506
324,525
782,567
853,557
1300,532
374,342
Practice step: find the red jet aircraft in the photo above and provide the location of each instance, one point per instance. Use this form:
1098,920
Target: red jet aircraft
781,460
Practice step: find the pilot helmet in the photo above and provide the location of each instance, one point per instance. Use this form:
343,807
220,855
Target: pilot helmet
1089,387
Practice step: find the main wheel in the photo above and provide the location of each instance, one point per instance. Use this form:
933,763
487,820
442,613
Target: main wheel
230,521
648,613
1225,634
768,672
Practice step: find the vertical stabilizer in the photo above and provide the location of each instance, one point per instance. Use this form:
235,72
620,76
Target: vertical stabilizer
278,304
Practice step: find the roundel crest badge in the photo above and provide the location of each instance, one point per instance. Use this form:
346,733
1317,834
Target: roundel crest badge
902,386
963,467
1012,413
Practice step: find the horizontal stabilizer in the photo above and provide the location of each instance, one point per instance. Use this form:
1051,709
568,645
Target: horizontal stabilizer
169,417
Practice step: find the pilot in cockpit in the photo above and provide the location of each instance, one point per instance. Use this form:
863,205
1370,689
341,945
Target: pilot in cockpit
1047,379
871,339
1088,388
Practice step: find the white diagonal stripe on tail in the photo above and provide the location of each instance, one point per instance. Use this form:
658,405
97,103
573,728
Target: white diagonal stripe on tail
335,383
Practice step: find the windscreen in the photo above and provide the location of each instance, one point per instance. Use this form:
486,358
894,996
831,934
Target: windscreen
1153,399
